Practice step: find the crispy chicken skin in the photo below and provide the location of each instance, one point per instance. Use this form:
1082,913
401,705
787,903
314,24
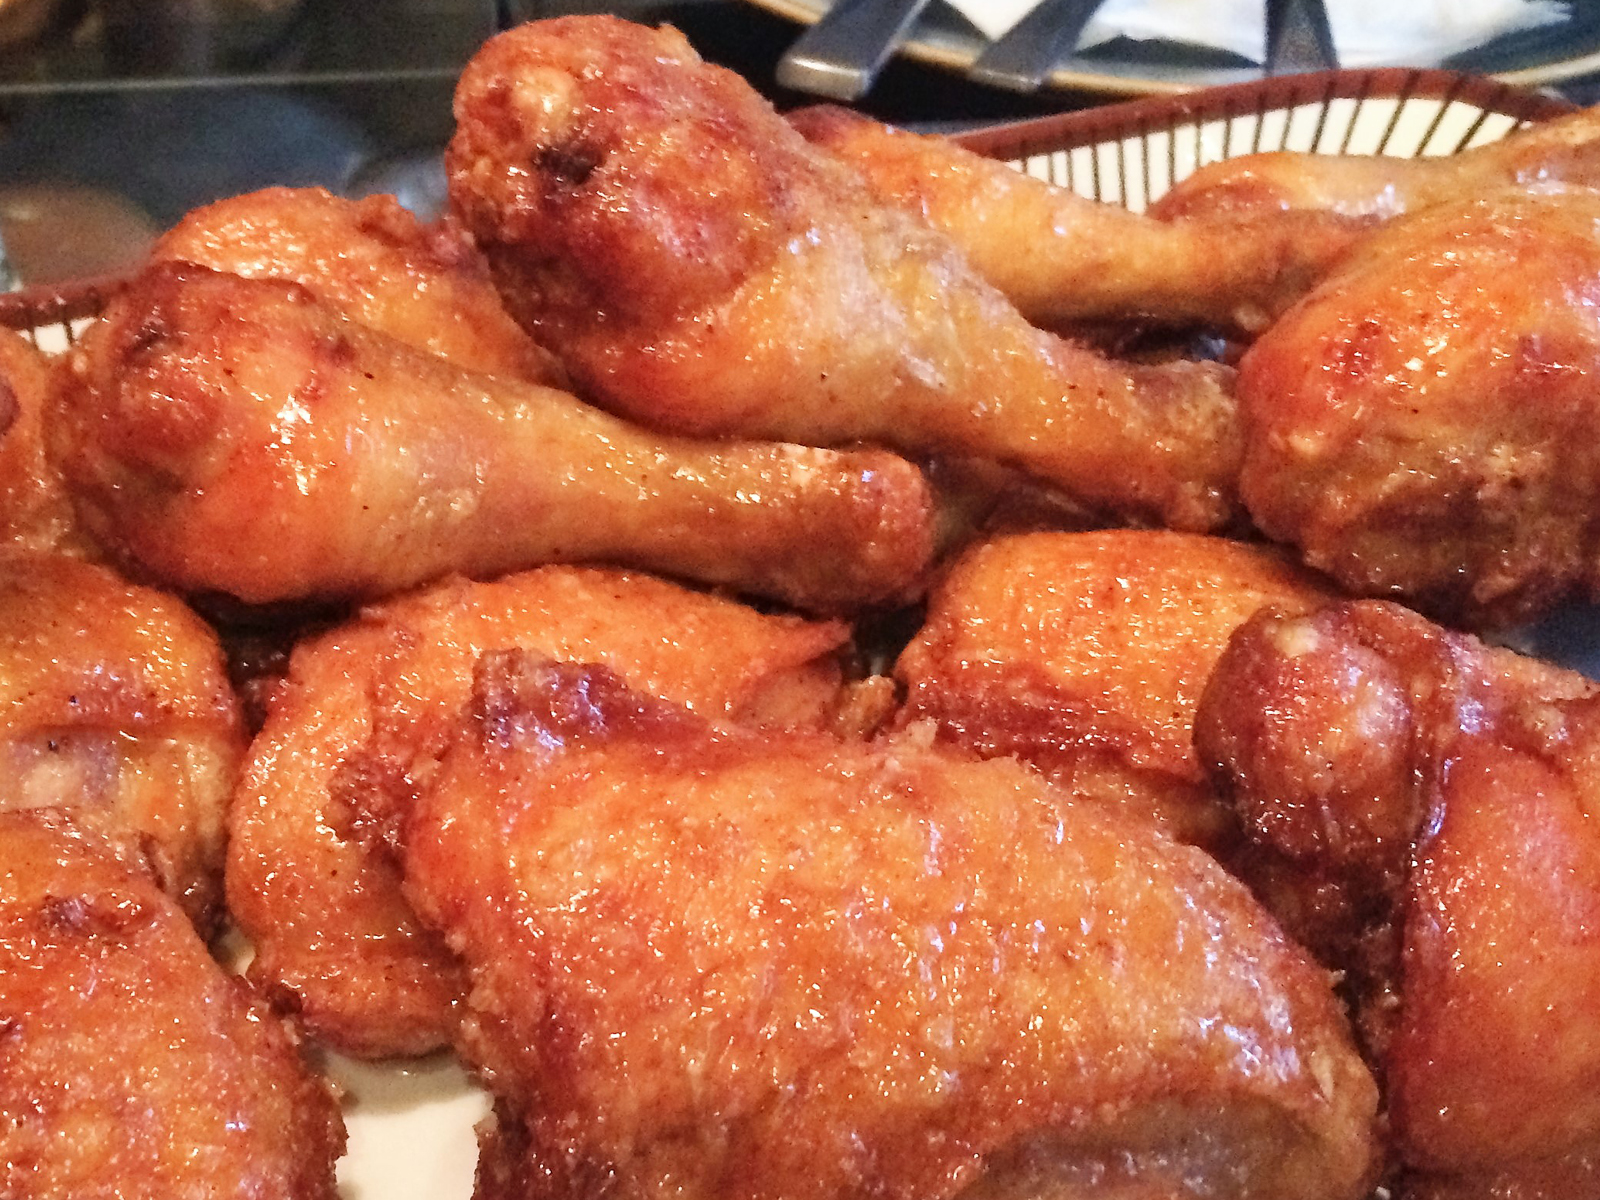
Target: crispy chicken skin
1422,805
1366,189
35,509
240,436
1085,655
713,962
372,260
1060,257
131,1067
115,707
359,724
702,269
1422,424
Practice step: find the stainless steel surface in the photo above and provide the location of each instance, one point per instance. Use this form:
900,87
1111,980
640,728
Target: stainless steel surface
1020,60
1298,37
843,52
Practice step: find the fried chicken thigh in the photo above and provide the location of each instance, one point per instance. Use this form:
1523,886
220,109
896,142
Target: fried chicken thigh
240,436
702,269
719,963
1373,188
131,1067
1422,424
373,261
1422,806
115,707
1085,654
1060,257
358,725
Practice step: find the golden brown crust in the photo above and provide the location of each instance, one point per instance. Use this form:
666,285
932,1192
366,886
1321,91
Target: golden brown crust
1362,188
356,727
115,706
130,1065
241,436
702,269
710,963
35,509
422,285
1085,654
1420,425
1060,257
1423,804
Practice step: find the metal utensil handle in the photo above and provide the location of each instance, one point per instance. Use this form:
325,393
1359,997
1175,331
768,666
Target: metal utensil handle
1020,60
1299,37
843,52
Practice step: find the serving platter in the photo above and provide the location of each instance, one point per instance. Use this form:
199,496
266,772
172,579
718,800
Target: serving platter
411,1124
942,37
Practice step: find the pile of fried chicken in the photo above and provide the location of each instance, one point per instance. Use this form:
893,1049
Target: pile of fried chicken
706,634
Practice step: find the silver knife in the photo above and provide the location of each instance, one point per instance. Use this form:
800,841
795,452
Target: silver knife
1298,37
843,52
1020,60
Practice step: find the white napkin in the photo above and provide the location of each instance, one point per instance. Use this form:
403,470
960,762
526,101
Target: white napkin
1366,32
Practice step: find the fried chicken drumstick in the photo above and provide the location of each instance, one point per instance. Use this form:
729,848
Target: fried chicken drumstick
1366,189
702,269
1060,257
1423,812
358,725
1422,424
130,1065
240,436
711,962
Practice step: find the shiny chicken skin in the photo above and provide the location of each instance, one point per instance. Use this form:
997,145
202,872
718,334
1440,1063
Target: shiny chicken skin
115,707
1085,654
1366,189
373,261
1422,807
131,1067
703,269
1422,424
358,725
240,436
710,962
1060,257
35,508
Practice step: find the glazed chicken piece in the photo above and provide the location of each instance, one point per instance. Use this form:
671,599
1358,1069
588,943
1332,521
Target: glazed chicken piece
130,1065
1422,808
702,269
1367,189
1084,654
35,509
357,727
1422,423
373,261
713,962
115,707
1060,257
240,436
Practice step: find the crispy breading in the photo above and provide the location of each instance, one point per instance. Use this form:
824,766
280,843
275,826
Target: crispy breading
115,706
359,722
371,259
1422,806
717,962
1085,655
130,1065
